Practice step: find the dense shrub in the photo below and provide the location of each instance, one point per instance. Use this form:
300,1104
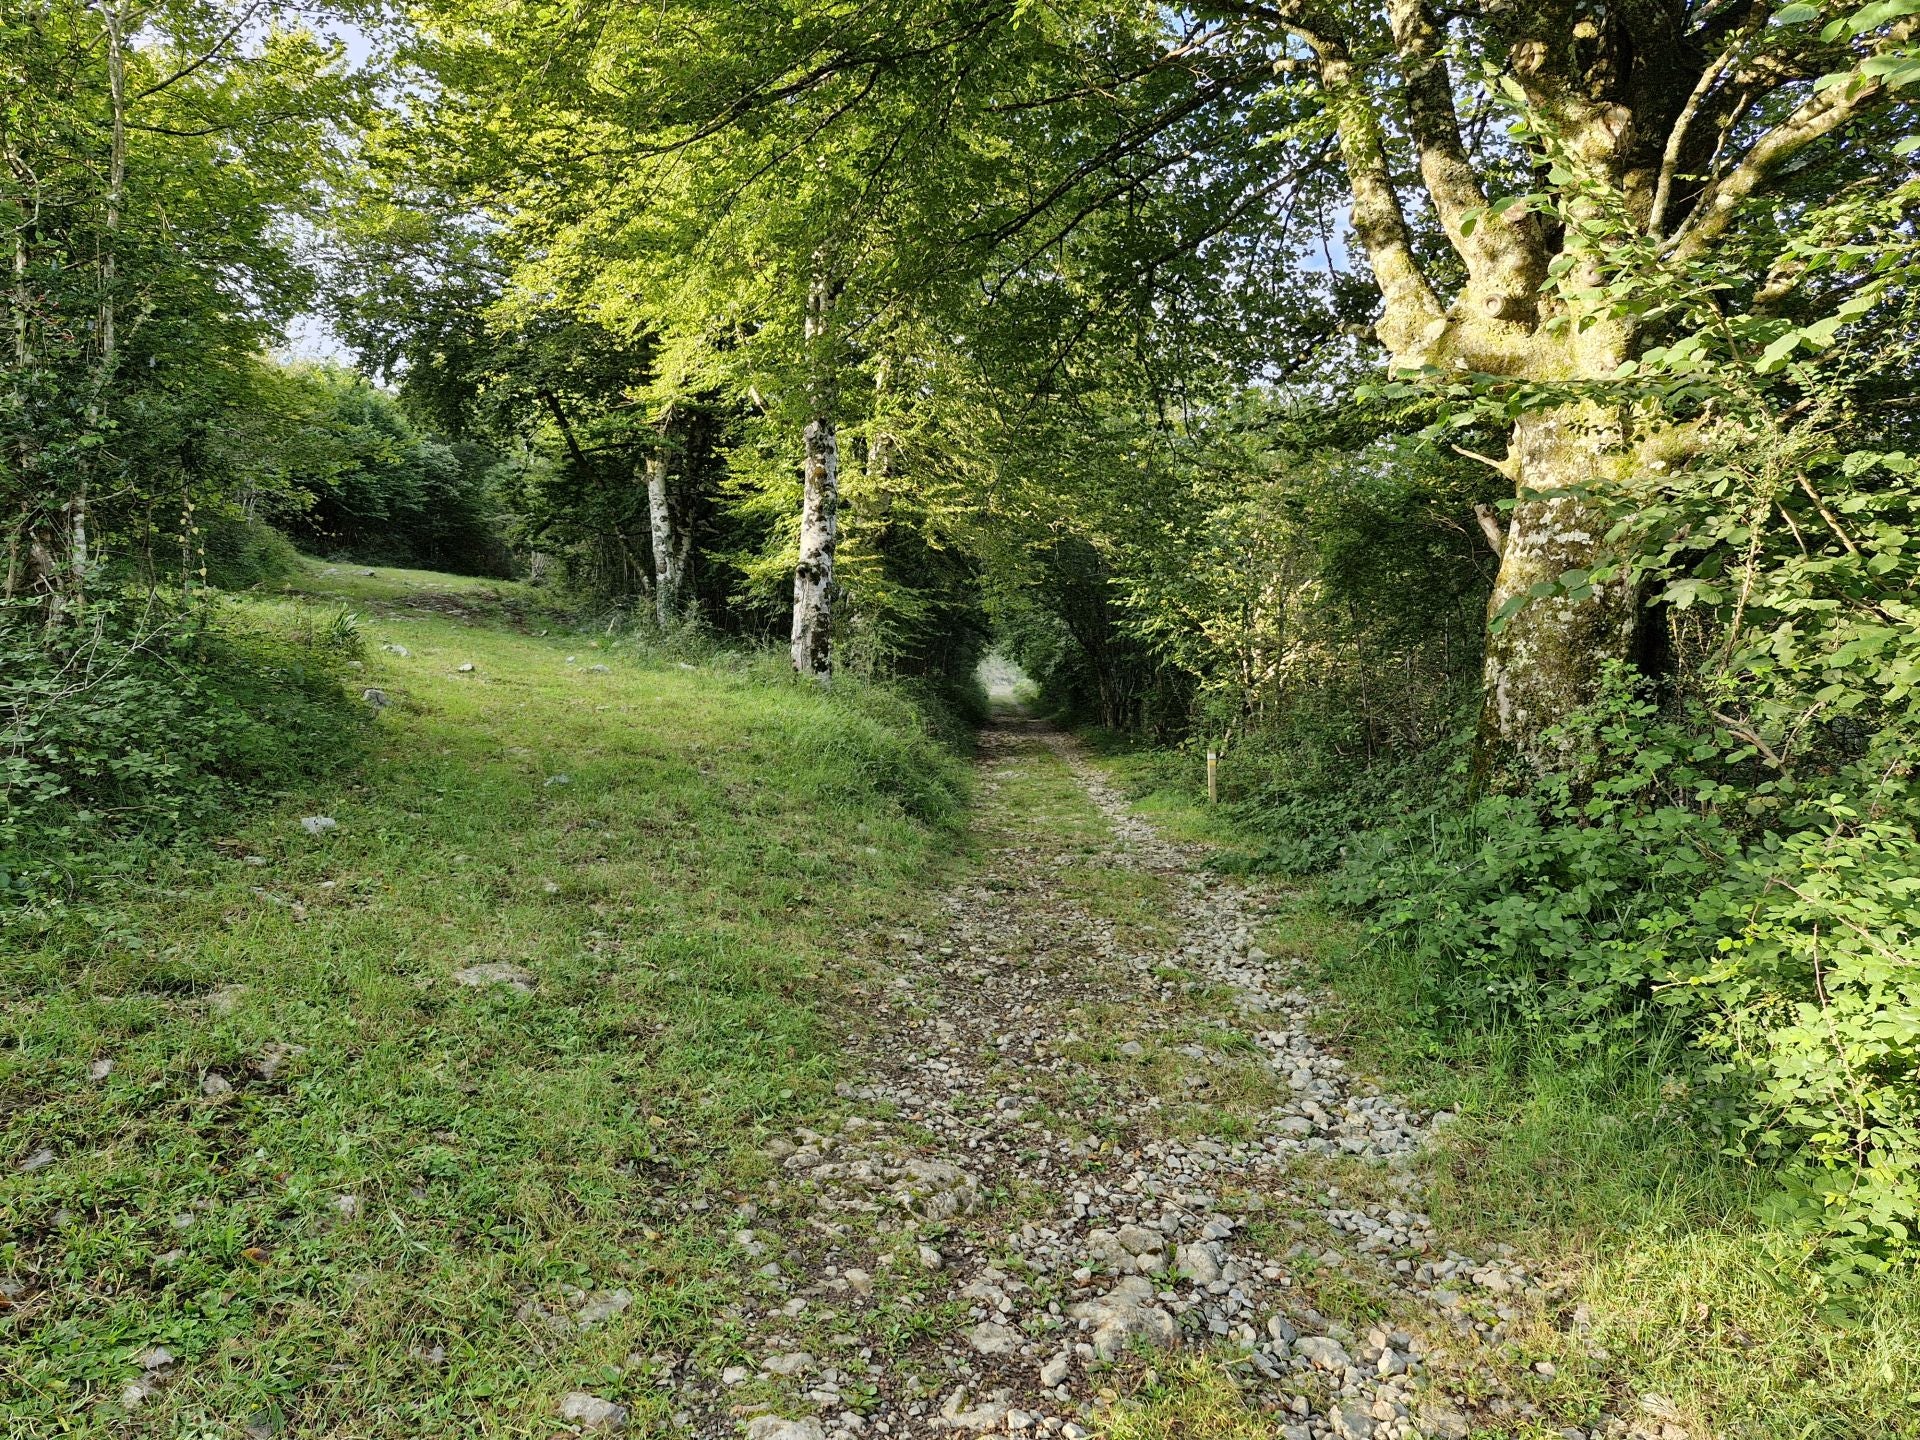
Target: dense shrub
1657,877
135,723
239,551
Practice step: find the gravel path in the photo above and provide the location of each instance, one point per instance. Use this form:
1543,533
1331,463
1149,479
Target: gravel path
1092,1129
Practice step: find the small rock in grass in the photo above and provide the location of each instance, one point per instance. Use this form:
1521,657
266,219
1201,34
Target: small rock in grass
600,669
226,999
797,1363
553,780
773,1427
601,1305
496,972
1055,1371
465,667
38,1160
135,1393
376,697
274,1056
1133,1049
154,1357
735,1375
550,887
930,1258
319,824
216,1086
399,650
592,1412
100,1069
347,1205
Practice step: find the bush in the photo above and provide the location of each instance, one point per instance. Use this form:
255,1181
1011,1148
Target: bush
1776,919
137,723
240,552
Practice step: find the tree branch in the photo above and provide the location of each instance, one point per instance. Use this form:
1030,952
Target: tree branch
1820,115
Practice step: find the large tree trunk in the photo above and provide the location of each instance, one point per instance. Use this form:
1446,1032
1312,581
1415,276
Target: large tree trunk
667,551
819,529
1547,651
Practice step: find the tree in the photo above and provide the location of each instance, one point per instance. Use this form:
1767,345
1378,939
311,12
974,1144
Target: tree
148,262
1667,134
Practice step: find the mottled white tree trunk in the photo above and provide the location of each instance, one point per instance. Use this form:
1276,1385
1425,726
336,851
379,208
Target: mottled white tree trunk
667,551
819,531
820,501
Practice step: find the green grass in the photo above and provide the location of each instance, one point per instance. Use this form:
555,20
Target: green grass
1595,1167
342,1247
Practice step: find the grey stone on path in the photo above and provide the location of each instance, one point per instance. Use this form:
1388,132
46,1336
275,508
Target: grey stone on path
796,1362
990,1337
1200,1263
592,1413
1322,1352
496,972
1125,1313
773,1427
1441,1421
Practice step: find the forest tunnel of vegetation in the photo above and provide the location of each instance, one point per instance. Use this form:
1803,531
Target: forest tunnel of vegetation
1491,426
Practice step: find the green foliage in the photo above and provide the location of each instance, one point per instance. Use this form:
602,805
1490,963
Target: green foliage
239,552
1655,880
151,257
364,482
147,723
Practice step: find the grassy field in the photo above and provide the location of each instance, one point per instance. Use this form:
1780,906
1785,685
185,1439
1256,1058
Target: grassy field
1689,1293
254,1120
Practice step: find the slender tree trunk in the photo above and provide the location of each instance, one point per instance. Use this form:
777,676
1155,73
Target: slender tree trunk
1546,652
819,532
820,502
666,546
77,510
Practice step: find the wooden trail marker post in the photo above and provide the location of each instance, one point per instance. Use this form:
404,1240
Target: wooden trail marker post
1213,777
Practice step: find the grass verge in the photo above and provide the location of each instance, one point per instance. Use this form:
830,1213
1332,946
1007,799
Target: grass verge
253,1119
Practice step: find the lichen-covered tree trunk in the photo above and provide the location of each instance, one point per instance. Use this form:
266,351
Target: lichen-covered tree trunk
667,550
1548,642
820,472
819,529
